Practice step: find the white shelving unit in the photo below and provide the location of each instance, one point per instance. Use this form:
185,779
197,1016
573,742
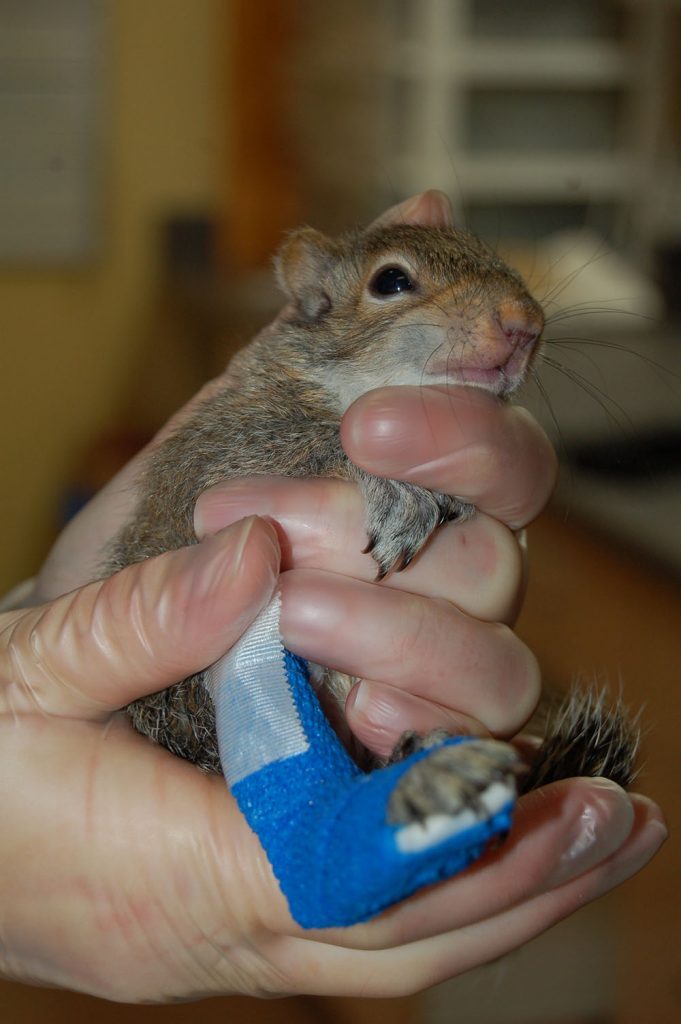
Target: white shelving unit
539,109
533,115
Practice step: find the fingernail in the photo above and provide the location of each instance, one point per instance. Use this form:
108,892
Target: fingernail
379,714
604,823
375,718
242,532
654,835
221,556
640,848
381,711
655,832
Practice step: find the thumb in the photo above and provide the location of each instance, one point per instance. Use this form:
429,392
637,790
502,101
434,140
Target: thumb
94,650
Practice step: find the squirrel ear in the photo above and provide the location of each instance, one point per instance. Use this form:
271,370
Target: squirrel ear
430,209
300,265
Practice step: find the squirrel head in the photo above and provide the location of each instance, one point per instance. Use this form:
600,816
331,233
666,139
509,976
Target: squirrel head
411,299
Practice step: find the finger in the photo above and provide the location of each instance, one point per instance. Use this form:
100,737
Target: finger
76,557
137,632
415,965
378,714
477,564
460,441
418,644
559,833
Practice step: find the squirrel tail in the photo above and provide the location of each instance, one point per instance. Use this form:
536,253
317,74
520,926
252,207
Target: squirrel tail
585,733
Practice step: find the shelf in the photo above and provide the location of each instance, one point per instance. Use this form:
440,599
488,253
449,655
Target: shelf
532,177
568,65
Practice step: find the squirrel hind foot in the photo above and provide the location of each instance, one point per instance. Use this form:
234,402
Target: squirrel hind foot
453,779
586,734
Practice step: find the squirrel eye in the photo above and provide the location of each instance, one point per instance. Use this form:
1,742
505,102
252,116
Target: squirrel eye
390,281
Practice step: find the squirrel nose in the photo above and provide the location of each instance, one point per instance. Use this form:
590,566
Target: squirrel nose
520,326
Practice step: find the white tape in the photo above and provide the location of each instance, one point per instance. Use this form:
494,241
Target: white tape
257,719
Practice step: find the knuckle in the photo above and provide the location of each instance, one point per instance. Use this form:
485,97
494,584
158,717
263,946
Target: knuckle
421,635
22,664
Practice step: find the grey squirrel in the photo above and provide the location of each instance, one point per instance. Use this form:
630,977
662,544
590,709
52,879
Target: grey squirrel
409,300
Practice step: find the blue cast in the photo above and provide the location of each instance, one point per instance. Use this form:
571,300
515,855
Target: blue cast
320,819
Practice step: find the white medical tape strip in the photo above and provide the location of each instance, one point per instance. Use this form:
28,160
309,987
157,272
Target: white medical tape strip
257,719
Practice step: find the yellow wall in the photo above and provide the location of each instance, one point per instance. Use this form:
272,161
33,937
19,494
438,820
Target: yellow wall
69,339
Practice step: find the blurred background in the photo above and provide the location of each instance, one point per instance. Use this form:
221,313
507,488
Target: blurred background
153,152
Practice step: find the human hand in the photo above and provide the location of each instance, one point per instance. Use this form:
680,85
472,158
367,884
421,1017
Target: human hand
130,875
154,887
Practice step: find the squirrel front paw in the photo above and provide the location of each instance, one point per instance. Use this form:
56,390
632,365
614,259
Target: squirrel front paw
401,517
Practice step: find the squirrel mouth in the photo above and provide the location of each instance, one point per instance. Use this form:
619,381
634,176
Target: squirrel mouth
492,378
495,378
501,379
